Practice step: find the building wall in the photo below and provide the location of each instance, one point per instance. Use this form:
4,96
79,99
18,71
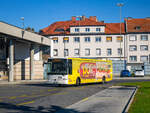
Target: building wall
92,45
22,62
22,70
138,52
22,51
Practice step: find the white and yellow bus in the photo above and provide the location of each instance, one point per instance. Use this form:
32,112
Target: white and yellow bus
78,71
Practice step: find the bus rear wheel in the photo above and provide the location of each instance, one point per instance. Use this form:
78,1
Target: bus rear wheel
78,82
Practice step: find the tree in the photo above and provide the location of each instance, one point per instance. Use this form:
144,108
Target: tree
30,29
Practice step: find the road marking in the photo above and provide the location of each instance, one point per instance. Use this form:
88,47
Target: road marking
29,96
76,88
5,97
30,102
85,99
13,97
60,93
52,89
23,95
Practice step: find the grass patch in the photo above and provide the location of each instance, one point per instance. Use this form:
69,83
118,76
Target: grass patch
141,102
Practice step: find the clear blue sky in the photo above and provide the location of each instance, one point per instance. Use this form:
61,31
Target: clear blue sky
41,13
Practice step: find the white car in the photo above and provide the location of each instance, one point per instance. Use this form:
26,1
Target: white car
139,73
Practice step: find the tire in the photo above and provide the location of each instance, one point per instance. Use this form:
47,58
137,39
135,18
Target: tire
78,82
103,80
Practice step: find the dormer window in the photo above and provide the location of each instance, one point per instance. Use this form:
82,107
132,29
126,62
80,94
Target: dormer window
77,29
98,29
87,29
59,30
137,28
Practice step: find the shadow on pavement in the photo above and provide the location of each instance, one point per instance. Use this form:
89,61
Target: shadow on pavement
11,108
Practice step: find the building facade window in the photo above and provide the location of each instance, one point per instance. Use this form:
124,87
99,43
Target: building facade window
144,37
97,39
119,38
132,38
55,40
98,29
66,52
55,52
108,39
109,52
87,29
98,51
66,39
87,39
77,39
144,58
76,52
133,58
119,51
144,47
87,52
77,30
132,47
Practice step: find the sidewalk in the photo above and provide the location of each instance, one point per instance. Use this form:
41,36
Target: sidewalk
4,82
112,100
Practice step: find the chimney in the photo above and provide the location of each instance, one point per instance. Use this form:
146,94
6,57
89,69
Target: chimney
93,18
129,18
147,18
102,21
73,18
83,18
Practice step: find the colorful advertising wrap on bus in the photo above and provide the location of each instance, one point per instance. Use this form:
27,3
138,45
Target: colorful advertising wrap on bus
94,70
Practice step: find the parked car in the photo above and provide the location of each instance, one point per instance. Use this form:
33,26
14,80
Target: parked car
139,73
125,73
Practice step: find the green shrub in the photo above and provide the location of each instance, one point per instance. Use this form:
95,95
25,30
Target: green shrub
132,74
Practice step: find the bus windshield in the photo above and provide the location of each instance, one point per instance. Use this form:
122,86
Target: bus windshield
59,66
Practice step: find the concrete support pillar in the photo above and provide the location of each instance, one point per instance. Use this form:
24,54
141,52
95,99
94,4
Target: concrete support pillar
51,48
40,47
11,61
31,62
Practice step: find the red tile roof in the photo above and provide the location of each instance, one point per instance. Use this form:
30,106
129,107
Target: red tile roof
114,28
138,25
111,28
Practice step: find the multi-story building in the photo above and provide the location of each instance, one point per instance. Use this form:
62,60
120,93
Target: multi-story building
138,42
86,38
91,38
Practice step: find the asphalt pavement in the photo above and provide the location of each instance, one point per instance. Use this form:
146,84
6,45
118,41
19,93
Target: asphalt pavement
39,97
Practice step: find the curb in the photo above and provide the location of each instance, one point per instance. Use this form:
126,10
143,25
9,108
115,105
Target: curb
131,78
127,106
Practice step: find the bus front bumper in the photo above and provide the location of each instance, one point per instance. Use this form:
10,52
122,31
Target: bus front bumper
58,79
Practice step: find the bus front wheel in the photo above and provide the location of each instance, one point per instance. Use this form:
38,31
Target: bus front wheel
78,82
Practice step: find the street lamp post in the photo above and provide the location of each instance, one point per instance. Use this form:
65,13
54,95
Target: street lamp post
22,18
120,5
23,29
79,17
